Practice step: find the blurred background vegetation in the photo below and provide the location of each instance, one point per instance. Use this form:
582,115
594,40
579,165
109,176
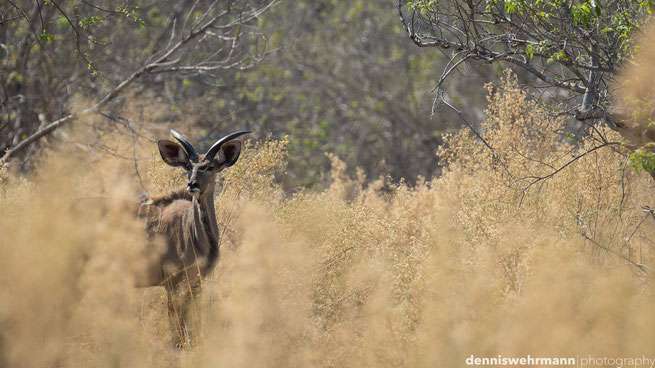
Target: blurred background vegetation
345,78
333,76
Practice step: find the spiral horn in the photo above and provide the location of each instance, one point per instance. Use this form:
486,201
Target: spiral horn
188,147
217,146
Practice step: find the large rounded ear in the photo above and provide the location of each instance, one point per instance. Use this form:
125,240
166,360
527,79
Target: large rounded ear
229,153
172,153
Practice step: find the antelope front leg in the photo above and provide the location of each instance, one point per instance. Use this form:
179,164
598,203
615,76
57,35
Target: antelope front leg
176,310
191,311
184,313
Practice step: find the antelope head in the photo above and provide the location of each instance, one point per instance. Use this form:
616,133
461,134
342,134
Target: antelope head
201,169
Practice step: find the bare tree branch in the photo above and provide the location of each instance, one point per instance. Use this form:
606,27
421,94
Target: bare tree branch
535,36
161,63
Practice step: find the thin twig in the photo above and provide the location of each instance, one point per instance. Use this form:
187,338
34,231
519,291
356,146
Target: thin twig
461,116
642,268
574,159
134,135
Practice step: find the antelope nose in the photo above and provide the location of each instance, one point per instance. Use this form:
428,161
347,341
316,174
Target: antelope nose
192,186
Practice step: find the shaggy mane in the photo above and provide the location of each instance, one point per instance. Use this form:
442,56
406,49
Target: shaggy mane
165,199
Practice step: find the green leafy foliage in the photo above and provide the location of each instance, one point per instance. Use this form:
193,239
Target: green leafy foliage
44,36
582,13
642,160
87,22
422,5
132,12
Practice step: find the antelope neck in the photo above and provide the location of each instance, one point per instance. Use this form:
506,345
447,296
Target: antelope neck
205,224
203,206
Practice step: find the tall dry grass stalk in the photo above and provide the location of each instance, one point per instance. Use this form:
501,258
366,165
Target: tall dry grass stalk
357,275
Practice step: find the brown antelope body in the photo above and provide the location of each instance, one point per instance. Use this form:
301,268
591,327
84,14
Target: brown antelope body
186,219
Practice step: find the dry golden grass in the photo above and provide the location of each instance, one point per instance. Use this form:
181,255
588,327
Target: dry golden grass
357,275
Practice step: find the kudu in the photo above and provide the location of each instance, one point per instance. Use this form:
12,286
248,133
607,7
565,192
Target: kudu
186,220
